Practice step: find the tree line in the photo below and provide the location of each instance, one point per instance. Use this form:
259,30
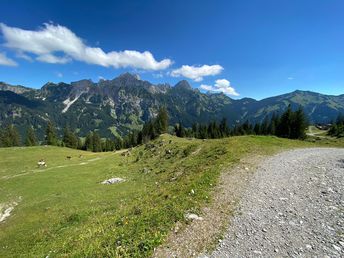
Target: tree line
337,128
291,124
9,136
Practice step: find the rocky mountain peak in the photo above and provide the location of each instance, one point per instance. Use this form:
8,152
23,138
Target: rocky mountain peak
83,83
129,76
183,85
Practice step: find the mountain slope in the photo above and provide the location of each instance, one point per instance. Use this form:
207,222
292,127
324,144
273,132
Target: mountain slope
114,107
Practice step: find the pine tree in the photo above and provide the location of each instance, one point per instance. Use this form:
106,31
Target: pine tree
161,121
69,139
284,127
50,135
109,145
340,119
2,144
264,128
337,128
203,134
257,129
299,125
89,142
139,138
118,143
5,139
30,137
224,129
10,137
180,130
97,145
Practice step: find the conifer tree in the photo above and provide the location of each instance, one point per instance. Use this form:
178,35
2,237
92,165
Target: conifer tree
224,129
69,139
161,121
50,135
179,130
337,128
31,139
257,129
284,127
97,145
10,137
264,128
89,141
299,125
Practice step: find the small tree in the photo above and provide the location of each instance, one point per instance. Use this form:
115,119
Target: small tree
31,139
10,137
50,135
89,141
161,121
179,130
224,129
97,143
299,125
284,127
69,139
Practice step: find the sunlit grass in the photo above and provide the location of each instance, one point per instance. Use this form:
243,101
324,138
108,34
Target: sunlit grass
65,211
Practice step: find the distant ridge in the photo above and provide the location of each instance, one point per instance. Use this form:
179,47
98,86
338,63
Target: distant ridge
117,106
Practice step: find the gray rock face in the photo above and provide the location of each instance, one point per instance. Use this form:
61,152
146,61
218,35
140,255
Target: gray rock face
123,104
294,207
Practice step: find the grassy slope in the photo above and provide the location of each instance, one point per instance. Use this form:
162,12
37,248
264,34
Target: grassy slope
65,211
321,137
312,130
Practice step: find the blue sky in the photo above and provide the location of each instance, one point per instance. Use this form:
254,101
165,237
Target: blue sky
253,48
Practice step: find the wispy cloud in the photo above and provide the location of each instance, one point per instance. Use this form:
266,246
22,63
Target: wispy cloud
59,74
221,85
290,78
197,73
58,44
24,56
4,60
158,75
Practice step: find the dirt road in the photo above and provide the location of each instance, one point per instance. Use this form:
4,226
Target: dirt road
293,207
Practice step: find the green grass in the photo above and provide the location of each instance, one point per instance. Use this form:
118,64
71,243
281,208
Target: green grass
322,138
65,211
316,131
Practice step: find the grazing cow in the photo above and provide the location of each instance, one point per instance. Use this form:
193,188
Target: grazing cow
69,157
41,163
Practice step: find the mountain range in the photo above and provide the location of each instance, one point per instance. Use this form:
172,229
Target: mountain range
114,107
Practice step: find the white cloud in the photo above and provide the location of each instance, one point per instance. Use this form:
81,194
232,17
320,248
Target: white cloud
26,57
197,73
221,85
207,87
4,60
58,44
51,59
290,78
60,75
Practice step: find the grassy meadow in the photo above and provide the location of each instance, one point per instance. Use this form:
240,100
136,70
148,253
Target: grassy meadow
64,211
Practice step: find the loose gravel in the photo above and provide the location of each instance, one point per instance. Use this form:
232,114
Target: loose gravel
293,207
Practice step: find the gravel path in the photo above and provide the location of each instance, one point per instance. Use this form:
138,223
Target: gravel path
294,207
